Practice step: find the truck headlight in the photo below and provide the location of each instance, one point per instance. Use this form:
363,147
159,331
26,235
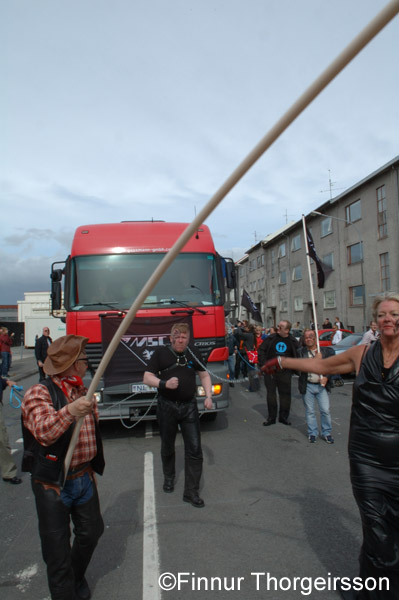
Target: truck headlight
216,390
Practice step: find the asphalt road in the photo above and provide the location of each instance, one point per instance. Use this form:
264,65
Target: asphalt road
275,505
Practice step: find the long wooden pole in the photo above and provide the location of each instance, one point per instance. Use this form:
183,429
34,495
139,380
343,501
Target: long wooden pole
357,44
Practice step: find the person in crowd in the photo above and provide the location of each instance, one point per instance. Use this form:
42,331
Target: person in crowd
337,337
251,350
278,345
327,323
50,411
172,369
372,334
7,463
244,338
41,346
259,336
6,341
232,348
338,323
314,389
373,441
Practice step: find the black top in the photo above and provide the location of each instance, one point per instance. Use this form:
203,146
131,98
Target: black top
374,429
165,363
275,345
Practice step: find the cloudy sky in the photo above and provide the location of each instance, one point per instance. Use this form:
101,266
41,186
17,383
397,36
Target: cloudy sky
118,110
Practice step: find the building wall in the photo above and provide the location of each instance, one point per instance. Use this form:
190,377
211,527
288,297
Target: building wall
284,297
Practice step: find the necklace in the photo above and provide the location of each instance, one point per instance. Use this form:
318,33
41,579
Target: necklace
181,359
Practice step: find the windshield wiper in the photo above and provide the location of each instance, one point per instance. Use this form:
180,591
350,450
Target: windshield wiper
185,305
107,304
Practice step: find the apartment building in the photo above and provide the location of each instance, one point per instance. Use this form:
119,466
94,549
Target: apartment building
356,235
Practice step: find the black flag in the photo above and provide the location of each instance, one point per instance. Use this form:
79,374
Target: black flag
320,267
250,306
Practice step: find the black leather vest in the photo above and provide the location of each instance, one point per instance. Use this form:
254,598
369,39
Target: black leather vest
46,463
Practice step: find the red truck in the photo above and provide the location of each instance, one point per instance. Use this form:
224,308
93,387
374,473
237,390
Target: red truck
107,268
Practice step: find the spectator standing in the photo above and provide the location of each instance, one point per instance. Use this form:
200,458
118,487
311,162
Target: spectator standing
41,346
6,342
278,345
314,388
337,337
7,463
232,348
327,324
371,335
339,323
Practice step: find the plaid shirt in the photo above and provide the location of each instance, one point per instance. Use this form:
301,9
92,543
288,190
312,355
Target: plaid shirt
47,424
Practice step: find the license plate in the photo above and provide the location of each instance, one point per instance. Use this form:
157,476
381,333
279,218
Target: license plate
138,388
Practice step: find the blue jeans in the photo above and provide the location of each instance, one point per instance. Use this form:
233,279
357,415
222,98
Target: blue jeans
231,362
316,392
6,362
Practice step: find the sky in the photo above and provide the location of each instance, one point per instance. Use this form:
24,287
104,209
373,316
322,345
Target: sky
115,110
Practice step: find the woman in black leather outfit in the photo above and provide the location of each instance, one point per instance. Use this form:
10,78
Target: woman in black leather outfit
373,442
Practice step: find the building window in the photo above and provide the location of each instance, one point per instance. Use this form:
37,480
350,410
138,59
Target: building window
283,305
329,299
298,303
260,260
273,261
328,260
283,277
356,295
382,213
281,250
252,264
384,272
326,227
297,273
353,212
296,243
261,283
355,253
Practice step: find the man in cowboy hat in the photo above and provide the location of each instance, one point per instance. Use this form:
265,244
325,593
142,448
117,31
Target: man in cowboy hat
50,411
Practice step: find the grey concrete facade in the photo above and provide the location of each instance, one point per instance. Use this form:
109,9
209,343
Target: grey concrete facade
358,238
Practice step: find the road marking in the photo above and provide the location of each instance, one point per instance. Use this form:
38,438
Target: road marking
151,590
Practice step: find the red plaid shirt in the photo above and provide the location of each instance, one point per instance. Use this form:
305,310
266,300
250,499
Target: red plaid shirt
47,424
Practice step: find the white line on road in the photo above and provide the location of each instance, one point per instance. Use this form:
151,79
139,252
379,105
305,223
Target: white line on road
151,590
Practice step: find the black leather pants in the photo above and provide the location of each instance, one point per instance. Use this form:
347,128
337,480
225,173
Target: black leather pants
376,492
66,564
171,414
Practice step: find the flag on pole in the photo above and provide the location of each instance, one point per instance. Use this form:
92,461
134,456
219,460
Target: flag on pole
322,270
251,306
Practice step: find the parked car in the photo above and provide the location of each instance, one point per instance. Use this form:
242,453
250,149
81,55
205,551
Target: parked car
326,335
354,339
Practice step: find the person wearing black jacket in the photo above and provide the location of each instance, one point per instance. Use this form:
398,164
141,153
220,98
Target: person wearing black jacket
314,388
278,345
41,347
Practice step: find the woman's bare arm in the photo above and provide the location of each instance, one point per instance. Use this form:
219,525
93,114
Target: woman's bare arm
346,362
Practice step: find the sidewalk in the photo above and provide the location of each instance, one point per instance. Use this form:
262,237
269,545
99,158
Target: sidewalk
23,363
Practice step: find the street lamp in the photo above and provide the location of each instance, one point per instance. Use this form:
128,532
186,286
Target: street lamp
319,214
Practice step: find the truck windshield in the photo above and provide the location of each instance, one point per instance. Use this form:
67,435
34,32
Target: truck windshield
113,281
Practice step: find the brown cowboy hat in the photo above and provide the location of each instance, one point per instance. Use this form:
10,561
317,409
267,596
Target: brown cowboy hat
63,353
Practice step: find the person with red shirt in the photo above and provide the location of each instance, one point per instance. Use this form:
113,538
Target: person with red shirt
6,342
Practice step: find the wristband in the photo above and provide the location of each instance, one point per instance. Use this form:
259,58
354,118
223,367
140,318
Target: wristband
162,384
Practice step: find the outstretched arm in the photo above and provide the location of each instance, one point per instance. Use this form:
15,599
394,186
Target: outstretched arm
347,362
